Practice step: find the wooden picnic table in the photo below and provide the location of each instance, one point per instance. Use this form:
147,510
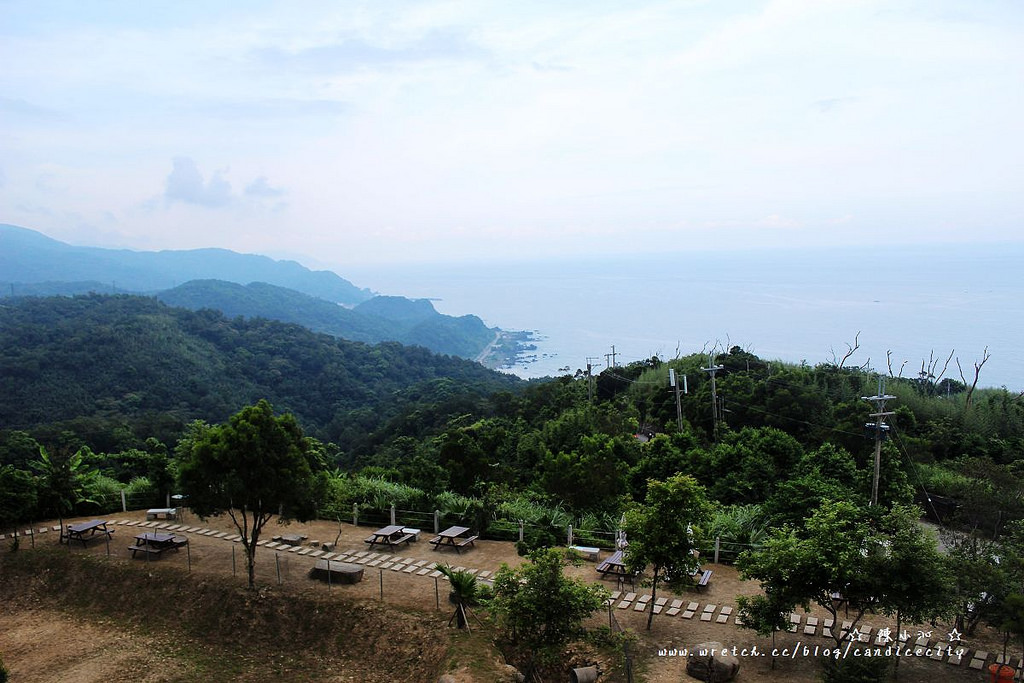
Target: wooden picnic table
452,537
86,531
615,564
154,543
390,536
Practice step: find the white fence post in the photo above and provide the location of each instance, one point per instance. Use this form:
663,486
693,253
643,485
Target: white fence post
569,543
718,544
124,502
355,514
437,521
392,514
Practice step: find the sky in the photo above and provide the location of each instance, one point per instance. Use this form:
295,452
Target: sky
445,131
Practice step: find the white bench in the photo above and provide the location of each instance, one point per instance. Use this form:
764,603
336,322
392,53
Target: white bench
592,554
167,513
414,532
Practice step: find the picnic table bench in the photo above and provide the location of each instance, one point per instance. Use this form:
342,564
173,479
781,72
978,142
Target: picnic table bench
613,565
152,544
166,513
390,536
452,537
705,577
86,531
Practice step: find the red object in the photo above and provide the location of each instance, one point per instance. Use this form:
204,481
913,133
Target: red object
1000,673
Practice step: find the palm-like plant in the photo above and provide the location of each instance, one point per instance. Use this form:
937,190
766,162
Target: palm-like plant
465,592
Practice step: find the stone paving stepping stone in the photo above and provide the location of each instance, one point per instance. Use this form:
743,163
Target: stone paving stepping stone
221,534
409,569
659,605
674,608
484,574
165,525
304,551
434,574
385,564
640,606
954,658
294,549
361,553
327,556
397,567
978,661
864,633
317,553
688,614
374,563
723,616
423,571
705,616
794,622
273,546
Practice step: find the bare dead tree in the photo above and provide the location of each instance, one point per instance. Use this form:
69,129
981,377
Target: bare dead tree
838,363
888,361
985,355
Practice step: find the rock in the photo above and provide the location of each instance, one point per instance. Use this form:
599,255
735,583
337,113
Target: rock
712,655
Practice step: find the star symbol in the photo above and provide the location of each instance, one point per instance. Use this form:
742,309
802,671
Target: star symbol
954,636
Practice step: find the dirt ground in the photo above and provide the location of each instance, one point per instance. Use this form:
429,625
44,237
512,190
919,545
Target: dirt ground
41,644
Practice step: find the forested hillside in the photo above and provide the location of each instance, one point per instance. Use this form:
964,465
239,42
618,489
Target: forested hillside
103,364
382,318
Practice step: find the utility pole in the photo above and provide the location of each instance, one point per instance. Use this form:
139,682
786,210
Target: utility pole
590,379
880,431
712,369
612,356
679,406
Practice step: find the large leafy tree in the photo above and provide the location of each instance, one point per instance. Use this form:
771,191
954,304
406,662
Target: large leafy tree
64,481
252,467
539,607
665,531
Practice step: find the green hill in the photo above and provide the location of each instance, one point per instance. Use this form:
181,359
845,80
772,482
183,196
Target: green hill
133,360
413,323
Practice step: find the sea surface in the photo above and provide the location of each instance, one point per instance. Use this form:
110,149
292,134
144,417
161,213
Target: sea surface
917,304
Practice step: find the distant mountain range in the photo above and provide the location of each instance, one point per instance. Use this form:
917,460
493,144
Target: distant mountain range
246,285
30,257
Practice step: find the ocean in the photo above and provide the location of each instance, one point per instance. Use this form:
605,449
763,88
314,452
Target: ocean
917,304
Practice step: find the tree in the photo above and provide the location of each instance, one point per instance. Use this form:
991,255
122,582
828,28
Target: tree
913,577
465,592
251,468
813,564
539,607
64,481
665,530
17,496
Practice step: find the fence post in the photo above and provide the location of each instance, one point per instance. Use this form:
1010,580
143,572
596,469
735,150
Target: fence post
124,502
520,531
718,544
355,514
437,521
392,514
569,537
